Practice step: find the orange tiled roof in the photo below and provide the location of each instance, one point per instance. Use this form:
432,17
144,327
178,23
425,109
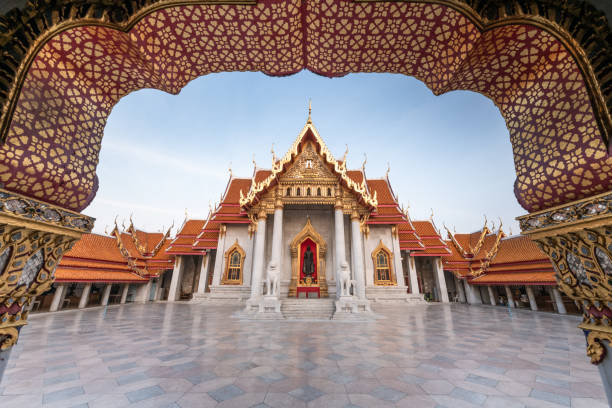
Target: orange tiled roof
191,227
522,278
88,275
519,249
383,192
355,175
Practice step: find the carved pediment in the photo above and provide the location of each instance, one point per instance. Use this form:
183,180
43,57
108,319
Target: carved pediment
308,165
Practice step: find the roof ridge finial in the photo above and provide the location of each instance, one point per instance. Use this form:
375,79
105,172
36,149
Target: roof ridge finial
432,215
230,171
345,154
273,154
254,163
309,111
388,170
365,160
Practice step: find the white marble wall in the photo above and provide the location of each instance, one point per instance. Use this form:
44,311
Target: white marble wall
378,233
234,232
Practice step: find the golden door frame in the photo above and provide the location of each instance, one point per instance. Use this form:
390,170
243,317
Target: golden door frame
308,232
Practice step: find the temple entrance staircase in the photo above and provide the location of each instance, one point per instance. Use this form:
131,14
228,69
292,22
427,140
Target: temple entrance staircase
307,309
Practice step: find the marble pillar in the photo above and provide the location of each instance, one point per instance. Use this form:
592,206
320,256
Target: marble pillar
85,296
258,256
531,296
204,270
472,294
277,244
412,273
460,290
357,251
56,302
106,294
558,301
509,296
175,283
143,292
124,293
440,280
397,259
339,244
491,296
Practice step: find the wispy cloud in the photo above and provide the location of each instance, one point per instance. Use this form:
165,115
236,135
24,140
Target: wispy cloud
135,206
143,153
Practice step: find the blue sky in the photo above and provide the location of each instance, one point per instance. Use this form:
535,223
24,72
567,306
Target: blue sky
162,154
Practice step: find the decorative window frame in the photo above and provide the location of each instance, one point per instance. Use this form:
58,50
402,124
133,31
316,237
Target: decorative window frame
230,250
391,281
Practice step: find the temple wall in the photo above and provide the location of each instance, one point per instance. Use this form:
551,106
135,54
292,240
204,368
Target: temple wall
240,233
377,233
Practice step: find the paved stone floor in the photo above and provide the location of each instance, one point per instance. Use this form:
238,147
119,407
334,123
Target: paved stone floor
181,355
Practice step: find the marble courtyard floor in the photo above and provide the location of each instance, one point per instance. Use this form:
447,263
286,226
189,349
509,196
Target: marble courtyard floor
182,355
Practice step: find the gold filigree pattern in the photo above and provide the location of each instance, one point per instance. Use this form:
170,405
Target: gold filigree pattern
595,347
531,67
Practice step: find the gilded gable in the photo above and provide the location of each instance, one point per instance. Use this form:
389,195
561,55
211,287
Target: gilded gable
309,165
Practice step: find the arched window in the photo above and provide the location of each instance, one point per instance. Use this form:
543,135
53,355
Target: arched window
383,267
319,191
297,192
329,192
288,191
234,261
308,191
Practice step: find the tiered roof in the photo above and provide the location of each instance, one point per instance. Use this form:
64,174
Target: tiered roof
183,242
95,258
489,258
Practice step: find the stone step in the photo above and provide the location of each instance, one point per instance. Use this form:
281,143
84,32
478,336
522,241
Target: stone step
308,309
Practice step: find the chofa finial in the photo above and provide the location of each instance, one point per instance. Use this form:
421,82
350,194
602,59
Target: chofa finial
365,160
309,111
388,169
230,169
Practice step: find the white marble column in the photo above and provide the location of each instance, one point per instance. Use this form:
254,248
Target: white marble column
124,292
85,296
277,240
175,283
106,294
339,244
531,296
558,300
357,251
203,273
258,256
472,294
397,260
509,296
440,280
460,290
414,280
158,289
57,298
143,292
491,295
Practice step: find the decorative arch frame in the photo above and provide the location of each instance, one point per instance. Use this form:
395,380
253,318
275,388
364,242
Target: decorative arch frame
308,232
234,248
392,280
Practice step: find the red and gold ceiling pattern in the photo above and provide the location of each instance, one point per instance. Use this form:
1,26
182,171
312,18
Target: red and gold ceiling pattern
51,151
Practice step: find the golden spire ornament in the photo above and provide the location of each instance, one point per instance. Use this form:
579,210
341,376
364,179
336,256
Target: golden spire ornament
309,111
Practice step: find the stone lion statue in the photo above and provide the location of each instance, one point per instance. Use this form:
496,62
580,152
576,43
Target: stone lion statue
344,280
272,279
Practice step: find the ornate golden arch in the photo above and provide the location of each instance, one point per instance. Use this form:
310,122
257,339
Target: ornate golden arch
389,253
234,247
308,232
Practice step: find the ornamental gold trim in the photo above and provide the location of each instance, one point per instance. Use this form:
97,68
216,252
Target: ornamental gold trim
594,211
339,168
16,209
308,232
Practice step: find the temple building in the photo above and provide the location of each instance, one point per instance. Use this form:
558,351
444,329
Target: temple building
490,268
307,230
